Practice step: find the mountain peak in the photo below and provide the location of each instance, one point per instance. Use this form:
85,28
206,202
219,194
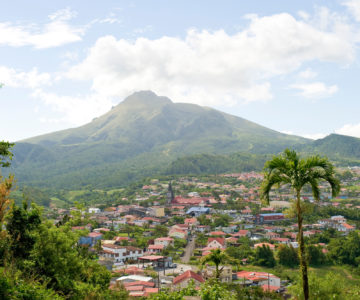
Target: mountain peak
146,98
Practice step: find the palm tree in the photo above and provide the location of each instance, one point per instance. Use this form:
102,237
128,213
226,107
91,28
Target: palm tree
217,257
289,169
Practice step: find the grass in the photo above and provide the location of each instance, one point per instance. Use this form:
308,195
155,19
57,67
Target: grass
321,271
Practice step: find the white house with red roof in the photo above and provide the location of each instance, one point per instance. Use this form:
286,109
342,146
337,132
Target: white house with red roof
269,280
165,241
344,227
155,248
178,233
216,242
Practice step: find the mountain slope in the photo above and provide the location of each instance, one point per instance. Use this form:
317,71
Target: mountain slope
336,146
141,135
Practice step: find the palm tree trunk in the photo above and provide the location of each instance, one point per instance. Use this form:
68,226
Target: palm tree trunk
303,264
217,275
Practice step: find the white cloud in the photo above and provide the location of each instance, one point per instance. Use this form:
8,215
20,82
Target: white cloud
214,68
314,136
315,90
350,129
15,78
77,110
308,74
354,8
55,33
110,19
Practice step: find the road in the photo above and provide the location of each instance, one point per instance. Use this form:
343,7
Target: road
188,252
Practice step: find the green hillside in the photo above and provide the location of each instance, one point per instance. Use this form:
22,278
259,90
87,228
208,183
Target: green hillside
336,146
147,134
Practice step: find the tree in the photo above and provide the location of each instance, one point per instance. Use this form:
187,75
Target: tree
5,184
315,255
288,256
5,153
264,257
217,257
289,169
160,230
21,223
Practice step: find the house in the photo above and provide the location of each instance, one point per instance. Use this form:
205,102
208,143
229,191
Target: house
140,288
157,211
196,211
259,278
309,233
151,220
225,275
155,249
290,235
134,278
269,218
191,221
344,227
94,210
120,254
242,233
281,240
202,228
178,233
338,219
182,281
216,242
165,241
91,239
194,201
272,235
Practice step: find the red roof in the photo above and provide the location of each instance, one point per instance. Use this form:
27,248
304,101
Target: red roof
134,288
271,246
190,220
241,233
151,257
189,201
217,233
251,275
143,283
220,240
94,234
164,239
156,247
151,290
186,275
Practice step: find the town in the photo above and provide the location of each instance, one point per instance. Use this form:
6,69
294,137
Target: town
157,236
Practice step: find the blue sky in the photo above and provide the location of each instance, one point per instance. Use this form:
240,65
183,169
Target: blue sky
292,66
